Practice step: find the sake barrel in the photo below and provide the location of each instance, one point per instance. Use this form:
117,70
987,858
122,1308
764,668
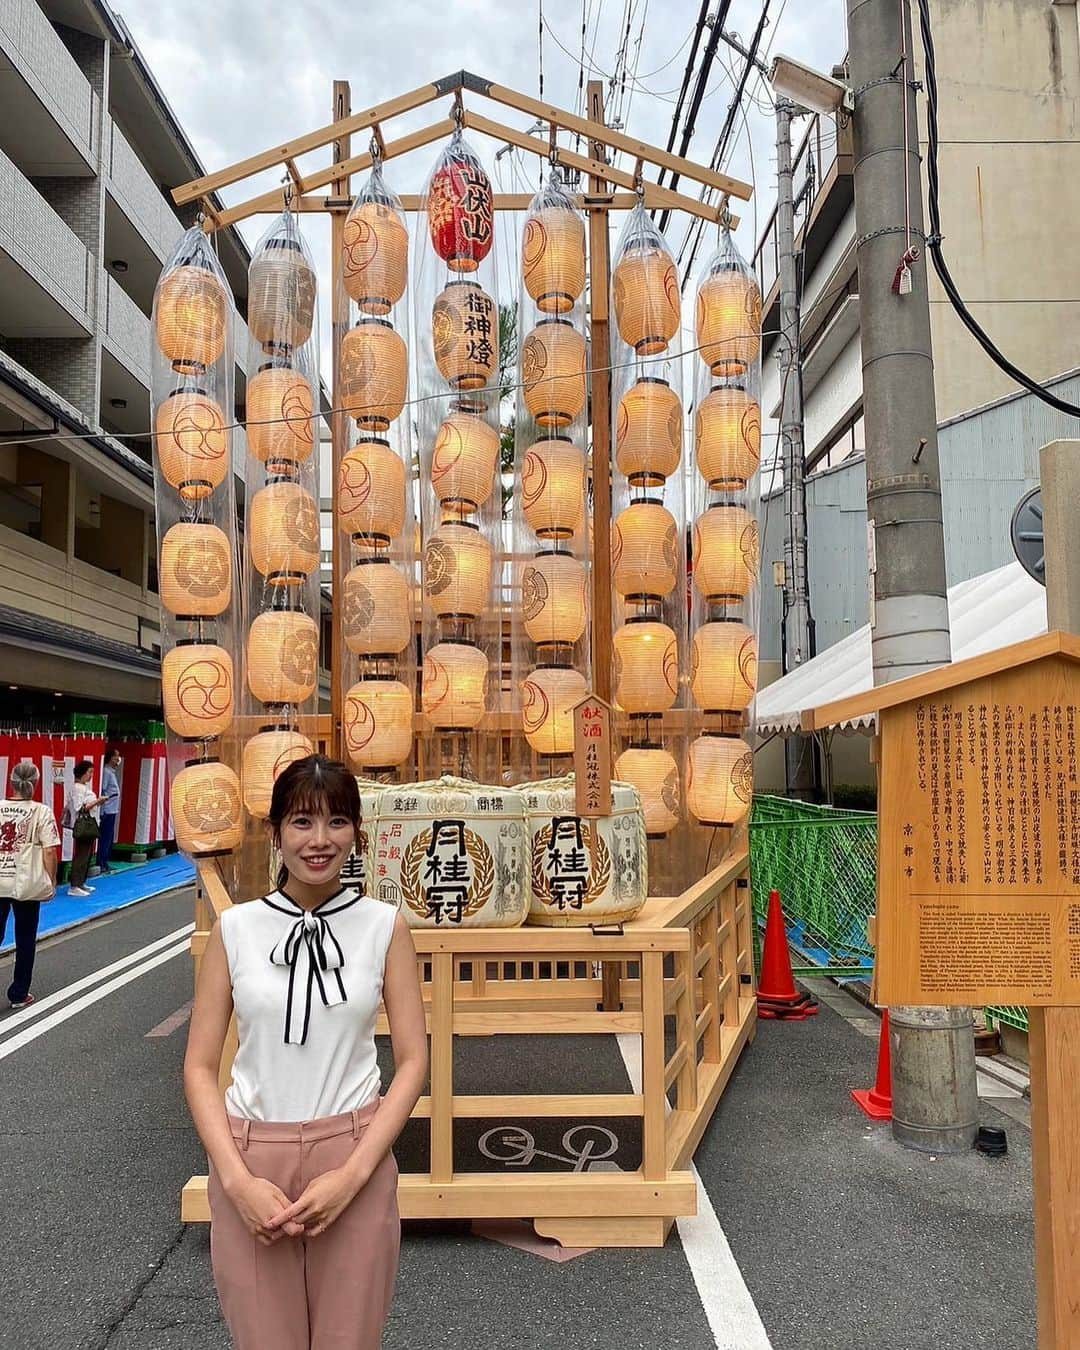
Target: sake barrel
354,873
451,854
585,870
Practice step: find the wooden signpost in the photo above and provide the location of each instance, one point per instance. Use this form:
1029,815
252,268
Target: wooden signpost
592,757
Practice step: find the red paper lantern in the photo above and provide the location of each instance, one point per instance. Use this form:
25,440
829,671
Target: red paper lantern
461,209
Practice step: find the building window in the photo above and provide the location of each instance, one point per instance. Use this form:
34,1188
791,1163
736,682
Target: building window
20,507
849,440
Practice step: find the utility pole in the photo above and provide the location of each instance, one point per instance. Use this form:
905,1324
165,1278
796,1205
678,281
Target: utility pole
799,748
933,1054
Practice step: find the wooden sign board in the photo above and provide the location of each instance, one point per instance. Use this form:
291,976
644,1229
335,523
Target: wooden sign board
979,841
592,757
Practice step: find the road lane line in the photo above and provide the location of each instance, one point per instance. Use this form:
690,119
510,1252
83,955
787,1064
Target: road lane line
173,1022
729,1307
69,1010
41,1005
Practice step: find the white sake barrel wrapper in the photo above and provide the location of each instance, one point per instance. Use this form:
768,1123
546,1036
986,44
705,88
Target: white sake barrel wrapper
585,870
354,873
452,854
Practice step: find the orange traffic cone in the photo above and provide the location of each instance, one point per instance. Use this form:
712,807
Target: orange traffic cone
877,1101
777,996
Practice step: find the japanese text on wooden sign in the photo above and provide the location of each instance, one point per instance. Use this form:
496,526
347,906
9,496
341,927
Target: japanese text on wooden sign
592,757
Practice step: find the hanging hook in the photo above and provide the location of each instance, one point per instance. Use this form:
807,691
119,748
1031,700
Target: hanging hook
377,148
553,149
726,219
639,182
458,111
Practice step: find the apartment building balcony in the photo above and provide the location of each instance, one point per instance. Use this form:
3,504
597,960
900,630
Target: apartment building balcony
140,228
47,106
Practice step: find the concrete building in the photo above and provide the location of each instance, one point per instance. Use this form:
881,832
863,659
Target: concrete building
89,149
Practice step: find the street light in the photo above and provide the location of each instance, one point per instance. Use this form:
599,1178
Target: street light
808,87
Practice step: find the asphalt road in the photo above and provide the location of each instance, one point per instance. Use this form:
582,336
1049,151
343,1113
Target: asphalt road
843,1239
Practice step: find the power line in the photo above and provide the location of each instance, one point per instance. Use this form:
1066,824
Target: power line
687,73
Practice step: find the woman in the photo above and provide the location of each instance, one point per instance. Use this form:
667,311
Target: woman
299,1150
29,844
81,798
110,808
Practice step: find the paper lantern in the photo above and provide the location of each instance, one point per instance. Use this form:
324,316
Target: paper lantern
645,289
464,460
723,666
646,661
197,690
461,210
553,372
648,432
458,564
377,723
371,492
266,755
280,422
725,560
553,257
376,616
283,533
374,374
719,779
455,686
281,294
465,335
729,319
283,656
727,433
644,550
191,443
375,255
553,488
195,573
206,813
553,598
191,315
653,771
548,699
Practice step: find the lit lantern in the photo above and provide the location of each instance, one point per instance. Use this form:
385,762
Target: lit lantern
197,690
206,812
464,460
195,574
282,656
648,432
461,210
548,699
465,335
283,533
375,248
376,617
553,487
281,291
719,779
191,443
653,771
266,755
725,558
371,492
455,686
553,372
727,432
374,373
728,315
458,565
645,288
553,250
644,550
646,662
723,666
553,598
280,423
377,723
191,315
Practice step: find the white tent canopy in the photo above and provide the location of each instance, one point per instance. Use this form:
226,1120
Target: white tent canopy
985,613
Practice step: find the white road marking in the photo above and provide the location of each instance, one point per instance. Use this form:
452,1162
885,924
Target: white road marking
729,1308
69,1010
41,1005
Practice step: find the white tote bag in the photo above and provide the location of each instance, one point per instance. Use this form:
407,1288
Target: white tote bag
32,881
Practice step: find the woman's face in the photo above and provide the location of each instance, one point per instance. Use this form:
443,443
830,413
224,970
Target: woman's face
315,845
85,777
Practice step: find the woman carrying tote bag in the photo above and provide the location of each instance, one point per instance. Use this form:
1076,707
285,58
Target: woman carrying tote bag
79,817
29,848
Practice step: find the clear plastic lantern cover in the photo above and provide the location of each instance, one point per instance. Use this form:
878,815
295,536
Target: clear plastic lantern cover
646,299
194,422
458,420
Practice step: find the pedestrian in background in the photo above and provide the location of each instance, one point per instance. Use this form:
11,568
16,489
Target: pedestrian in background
29,849
80,817
110,808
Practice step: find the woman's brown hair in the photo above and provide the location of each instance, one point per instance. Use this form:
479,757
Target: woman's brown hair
310,786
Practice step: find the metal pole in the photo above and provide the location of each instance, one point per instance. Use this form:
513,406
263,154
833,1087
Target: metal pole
798,749
933,1054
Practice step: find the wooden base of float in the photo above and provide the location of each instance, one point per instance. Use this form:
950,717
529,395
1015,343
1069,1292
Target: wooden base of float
682,966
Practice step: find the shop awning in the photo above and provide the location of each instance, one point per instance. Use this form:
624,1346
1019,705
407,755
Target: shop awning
987,612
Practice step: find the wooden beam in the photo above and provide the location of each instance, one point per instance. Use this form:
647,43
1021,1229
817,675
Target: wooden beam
599,289
341,548
504,201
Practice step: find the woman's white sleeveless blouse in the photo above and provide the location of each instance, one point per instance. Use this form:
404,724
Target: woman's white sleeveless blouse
306,990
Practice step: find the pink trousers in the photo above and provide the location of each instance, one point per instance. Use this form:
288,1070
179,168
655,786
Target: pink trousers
330,1292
